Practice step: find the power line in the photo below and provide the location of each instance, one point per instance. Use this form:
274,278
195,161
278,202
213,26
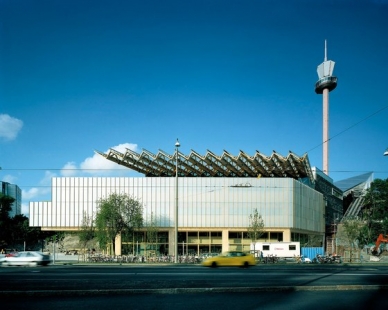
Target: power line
129,170
354,125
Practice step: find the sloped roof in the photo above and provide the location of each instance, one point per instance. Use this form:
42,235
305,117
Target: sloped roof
212,165
353,182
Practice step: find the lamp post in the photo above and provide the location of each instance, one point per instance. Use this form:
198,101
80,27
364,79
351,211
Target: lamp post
177,145
385,153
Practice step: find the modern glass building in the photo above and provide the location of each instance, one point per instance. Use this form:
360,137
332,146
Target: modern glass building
213,212
15,192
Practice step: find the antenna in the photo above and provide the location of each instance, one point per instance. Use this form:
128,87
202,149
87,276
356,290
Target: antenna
325,59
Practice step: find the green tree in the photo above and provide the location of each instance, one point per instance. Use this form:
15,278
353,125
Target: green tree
152,231
16,233
349,233
376,208
87,230
367,233
117,214
22,233
56,237
255,228
5,220
5,206
311,241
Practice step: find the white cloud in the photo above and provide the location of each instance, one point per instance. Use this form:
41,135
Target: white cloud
47,178
25,209
43,189
9,178
97,164
69,169
9,127
31,193
39,193
123,147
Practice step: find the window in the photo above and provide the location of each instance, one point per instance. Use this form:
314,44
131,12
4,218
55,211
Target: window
278,236
265,247
235,235
162,237
292,247
336,193
216,233
182,237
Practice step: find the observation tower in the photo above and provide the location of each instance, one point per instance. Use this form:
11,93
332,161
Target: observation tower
326,83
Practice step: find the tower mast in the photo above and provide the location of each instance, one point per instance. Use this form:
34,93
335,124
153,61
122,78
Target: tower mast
326,83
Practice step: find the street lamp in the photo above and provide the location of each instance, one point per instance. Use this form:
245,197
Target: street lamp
385,153
177,145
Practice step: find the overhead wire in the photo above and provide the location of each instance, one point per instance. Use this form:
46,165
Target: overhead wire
348,128
126,169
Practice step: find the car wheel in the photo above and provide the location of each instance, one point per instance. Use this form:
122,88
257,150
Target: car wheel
214,264
246,265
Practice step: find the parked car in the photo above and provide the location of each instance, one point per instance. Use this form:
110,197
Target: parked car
27,258
230,258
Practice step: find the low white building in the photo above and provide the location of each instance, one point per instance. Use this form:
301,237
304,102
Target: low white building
213,212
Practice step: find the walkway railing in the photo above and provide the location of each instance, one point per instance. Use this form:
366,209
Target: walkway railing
104,258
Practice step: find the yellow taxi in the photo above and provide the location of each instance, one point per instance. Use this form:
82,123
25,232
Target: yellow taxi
230,258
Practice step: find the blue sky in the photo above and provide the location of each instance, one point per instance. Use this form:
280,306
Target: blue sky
79,76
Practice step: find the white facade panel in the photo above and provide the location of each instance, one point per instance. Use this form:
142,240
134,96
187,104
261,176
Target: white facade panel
202,202
40,213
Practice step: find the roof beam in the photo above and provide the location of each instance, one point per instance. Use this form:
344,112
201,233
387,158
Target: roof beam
214,160
211,165
246,164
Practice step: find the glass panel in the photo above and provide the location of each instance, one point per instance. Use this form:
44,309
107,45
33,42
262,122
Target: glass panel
182,237
204,249
192,249
216,248
162,237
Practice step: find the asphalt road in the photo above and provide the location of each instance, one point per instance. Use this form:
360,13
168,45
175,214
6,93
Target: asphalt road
290,300
72,280
194,287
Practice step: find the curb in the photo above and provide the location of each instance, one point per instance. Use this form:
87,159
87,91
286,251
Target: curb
43,293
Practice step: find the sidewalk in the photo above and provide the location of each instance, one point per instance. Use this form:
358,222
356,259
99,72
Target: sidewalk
63,259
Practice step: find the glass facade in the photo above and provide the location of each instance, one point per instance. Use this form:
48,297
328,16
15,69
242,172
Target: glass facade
209,209
15,192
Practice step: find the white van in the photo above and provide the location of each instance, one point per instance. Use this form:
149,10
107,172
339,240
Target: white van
279,249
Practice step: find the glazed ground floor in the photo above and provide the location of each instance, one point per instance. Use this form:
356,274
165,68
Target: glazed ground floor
202,242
